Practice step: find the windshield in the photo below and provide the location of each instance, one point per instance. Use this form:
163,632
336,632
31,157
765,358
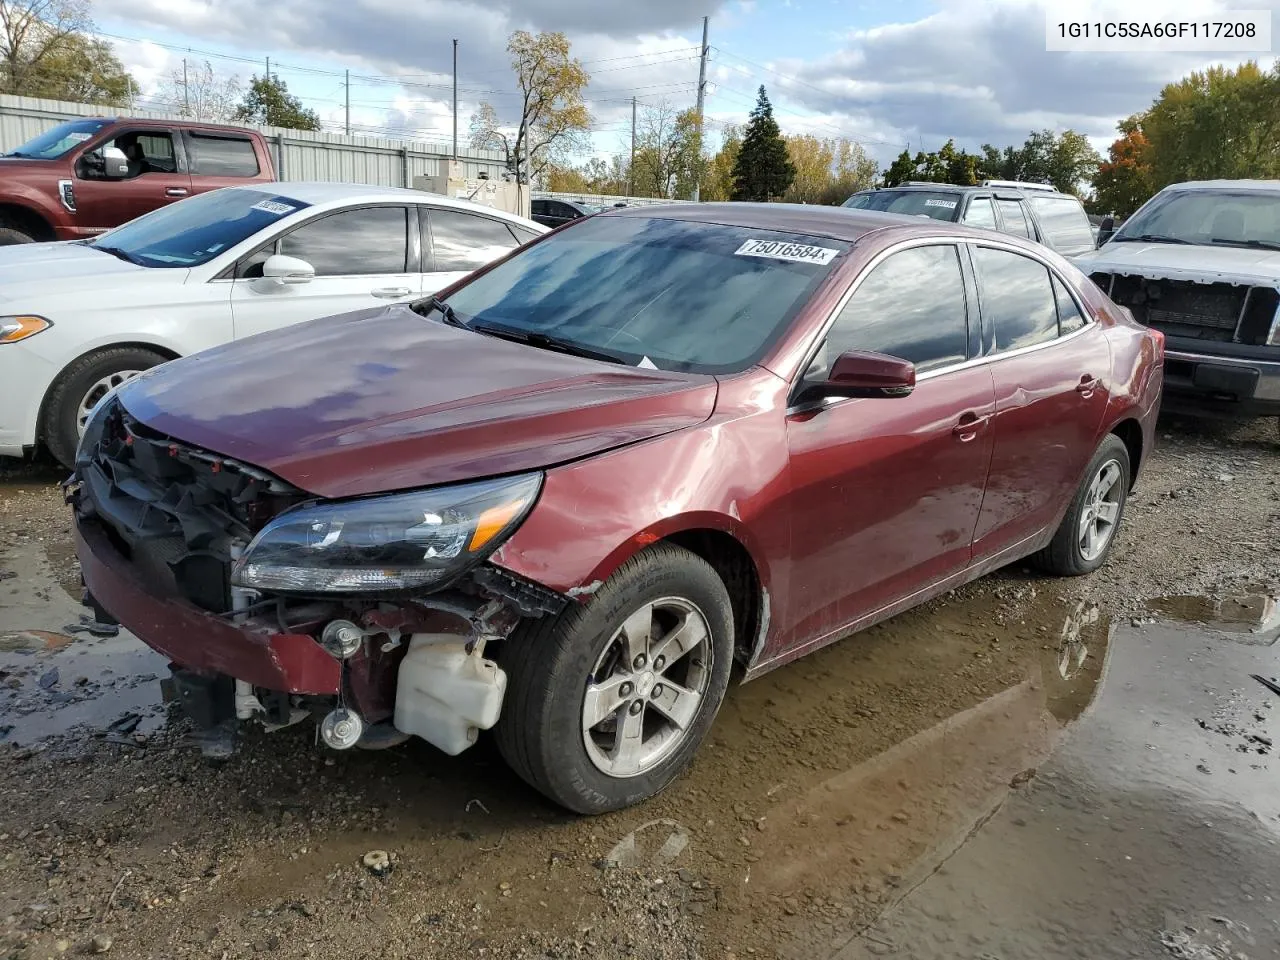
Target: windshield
194,231
671,294
939,205
54,142
1219,217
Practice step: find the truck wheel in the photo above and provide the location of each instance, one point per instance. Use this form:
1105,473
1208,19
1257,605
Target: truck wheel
1084,539
11,235
607,703
83,384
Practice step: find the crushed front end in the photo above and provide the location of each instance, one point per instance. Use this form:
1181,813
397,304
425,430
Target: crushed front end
372,615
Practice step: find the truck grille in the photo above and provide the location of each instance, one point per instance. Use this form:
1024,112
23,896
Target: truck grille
174,511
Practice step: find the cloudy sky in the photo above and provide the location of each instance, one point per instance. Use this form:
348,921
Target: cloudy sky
889,74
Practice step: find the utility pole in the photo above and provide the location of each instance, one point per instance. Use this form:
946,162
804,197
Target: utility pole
702,91
267,76
186,90
346,86
455,101
631,170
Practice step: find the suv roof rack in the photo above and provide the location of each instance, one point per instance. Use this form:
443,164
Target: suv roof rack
1020,184
925,183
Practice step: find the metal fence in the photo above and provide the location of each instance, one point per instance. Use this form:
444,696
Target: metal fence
602,200
298,154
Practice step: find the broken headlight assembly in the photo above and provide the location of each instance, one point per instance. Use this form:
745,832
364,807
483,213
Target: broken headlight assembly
403,541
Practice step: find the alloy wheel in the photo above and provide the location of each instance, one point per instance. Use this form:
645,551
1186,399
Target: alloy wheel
96,392
1101,511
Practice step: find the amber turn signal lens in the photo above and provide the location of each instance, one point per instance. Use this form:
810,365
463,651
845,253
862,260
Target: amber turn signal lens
493,521
13,329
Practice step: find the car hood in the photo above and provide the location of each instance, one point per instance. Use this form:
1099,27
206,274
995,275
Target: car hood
386,399
31,273
1185,262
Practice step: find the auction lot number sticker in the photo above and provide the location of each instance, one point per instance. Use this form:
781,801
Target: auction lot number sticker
782,250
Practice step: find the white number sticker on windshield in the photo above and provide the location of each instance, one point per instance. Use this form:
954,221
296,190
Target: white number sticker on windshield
781,250
273,206
949,204
77,136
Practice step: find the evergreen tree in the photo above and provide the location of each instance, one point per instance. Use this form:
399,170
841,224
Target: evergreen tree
763,169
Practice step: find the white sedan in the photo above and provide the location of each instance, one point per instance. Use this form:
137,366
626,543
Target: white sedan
78,318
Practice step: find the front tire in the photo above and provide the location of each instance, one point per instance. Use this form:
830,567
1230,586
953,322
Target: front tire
1088,531
607,703
82,385
12,235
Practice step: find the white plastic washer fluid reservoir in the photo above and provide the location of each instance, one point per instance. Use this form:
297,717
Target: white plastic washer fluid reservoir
445,695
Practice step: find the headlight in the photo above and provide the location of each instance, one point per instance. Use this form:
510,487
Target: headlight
1273,338
402,541
13,329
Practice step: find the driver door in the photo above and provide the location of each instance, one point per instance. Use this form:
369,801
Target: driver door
123,189
362,258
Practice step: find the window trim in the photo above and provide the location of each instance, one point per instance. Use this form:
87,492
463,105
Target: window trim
228,273
983,358
429,237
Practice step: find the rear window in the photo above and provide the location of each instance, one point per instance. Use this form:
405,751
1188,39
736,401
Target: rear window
223,156
670,294
1063,223
939,205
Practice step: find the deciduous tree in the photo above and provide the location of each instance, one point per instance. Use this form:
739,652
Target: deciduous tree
717,182
1124,180
269,102
46,50
200,93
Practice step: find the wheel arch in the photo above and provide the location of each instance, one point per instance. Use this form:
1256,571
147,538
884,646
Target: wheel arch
27,218
1129,430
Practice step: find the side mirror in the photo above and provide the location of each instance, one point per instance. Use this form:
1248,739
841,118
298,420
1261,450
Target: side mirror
288,270
1105,229
861,373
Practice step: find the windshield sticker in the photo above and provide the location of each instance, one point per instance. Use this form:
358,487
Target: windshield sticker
949,204
77,136
780,250
274,206
647,364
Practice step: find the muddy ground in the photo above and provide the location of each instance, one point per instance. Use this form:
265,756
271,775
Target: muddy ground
1024,768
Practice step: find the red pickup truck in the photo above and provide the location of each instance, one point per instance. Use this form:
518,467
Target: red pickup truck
83,177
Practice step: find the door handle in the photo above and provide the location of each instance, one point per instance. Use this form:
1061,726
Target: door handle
969,426
176,192
391,293
1088,383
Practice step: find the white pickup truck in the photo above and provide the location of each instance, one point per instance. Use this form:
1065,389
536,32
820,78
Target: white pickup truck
1200,262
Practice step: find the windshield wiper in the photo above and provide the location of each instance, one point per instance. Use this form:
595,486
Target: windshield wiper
119,254
19,153
1256,244
545,341
1151,238
425,307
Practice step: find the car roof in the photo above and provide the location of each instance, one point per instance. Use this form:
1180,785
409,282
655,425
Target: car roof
838,223
319,192
1263,186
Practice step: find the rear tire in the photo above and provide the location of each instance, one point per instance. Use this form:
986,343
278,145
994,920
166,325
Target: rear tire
80,385
1098,504
564,671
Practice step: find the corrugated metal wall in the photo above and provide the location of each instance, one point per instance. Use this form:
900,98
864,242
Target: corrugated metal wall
298,154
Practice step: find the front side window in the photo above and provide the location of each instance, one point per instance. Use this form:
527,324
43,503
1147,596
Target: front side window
1231,218
374,240
464,241
1015,221
223,156
56,141
1018,299
980,214
1063,222
912,305
937,205
194,231
672,294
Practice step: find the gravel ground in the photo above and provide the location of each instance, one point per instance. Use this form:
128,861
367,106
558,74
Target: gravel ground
131,843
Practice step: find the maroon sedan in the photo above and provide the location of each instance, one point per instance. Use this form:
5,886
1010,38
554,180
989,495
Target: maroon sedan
564,499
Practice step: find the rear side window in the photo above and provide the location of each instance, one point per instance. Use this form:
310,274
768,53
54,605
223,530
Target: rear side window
980,213
911,306
369,241
1018,299
1069,316
1015,221
223,156
1063,222
462,241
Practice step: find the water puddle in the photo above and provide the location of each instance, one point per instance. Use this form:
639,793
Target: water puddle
1254,614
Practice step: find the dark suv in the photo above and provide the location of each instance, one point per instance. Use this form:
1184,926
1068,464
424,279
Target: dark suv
1033,210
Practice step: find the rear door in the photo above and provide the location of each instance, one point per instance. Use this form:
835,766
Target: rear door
220,160
1050,369
887,491
362,257
457,242
980,212
1014,218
